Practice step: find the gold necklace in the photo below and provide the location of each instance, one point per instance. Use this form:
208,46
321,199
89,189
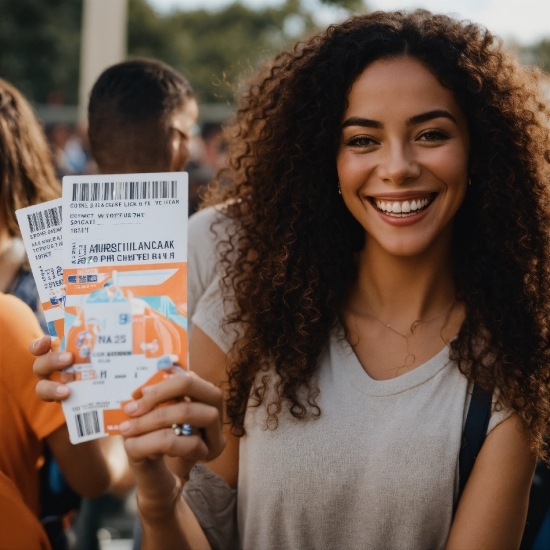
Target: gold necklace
410,358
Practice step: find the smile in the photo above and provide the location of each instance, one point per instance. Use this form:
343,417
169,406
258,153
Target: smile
403,208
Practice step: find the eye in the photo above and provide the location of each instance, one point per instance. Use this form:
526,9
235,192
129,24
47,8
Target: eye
361,141
433,135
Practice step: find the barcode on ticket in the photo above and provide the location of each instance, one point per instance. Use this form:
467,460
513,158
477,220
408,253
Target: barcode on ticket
87,423
40,221
124,190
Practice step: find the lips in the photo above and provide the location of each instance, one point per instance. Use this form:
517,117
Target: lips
402,208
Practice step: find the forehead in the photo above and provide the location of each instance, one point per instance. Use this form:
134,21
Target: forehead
398,86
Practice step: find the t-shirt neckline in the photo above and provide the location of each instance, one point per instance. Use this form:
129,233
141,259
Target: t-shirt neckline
362,381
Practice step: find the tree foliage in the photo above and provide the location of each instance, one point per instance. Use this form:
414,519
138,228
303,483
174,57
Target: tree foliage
40,47
214,49
40,42
538,53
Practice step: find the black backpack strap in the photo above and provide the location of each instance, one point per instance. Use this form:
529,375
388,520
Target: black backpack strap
474,434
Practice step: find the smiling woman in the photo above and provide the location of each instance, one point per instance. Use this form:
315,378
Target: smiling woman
352,291
403,157
370,287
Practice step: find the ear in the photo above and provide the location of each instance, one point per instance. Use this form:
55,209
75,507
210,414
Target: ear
179,151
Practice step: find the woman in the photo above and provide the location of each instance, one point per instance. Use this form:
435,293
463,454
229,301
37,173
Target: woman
383,249
26,178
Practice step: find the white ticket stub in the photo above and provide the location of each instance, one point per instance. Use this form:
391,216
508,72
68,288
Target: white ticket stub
41,229
125,271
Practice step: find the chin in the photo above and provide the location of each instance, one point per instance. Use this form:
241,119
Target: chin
407,247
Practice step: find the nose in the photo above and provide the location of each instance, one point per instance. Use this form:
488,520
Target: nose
398,164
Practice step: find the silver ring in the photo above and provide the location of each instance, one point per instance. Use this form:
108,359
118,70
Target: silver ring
182,429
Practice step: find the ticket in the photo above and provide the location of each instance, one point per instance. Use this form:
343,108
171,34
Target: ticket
41,230
125,273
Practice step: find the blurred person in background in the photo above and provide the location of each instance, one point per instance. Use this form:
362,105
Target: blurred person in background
59,136
29,428
27,177
140,117
208,157
77,151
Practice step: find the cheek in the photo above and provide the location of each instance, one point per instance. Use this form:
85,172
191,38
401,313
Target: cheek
353,169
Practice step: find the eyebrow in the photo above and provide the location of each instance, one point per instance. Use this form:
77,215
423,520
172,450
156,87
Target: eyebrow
416,119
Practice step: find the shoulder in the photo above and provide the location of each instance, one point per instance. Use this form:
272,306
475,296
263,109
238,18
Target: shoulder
209,225
207,229
18,327
499,413
17,321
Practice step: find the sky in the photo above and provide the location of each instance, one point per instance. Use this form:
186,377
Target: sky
525,21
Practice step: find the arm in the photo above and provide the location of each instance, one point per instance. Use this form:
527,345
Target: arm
210,363
167,520
493,508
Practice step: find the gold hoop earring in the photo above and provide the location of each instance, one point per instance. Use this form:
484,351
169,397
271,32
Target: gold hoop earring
339,189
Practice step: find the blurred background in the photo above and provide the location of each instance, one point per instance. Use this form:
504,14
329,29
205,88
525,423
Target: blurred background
53,50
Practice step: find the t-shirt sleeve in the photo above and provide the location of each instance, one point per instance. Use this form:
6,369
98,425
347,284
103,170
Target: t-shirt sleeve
214,504
206,228
18,327
208,299
211,313
498,413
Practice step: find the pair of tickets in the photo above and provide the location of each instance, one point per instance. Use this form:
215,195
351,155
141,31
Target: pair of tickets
110,263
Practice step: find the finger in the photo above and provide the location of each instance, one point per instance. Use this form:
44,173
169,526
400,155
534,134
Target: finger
166,442
40,346
177,387
198,415
52,391
46,364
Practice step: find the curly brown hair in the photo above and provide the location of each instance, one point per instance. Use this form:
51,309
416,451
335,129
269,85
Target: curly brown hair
294,257
27,174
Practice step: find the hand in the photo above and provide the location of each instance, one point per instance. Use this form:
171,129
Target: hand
149,436
48,366
186,399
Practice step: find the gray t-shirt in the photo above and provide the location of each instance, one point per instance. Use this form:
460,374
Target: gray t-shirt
377,470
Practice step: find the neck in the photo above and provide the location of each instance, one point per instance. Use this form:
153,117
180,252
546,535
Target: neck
400,289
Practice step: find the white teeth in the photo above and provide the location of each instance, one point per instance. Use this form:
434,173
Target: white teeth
405,208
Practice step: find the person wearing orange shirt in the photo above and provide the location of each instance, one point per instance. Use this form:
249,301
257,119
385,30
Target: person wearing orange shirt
25,423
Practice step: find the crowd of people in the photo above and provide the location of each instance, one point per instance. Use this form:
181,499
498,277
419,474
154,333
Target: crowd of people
368,301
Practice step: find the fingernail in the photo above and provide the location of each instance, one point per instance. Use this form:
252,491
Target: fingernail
146,389
62,390
124,426
131,407
65,357
35,341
